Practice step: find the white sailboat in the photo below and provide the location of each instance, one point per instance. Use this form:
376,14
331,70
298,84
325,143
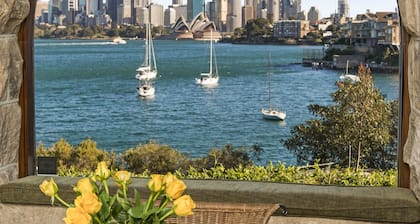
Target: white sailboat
210,78
271,113
349,77
148,71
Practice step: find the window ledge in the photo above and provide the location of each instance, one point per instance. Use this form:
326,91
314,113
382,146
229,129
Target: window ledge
373,204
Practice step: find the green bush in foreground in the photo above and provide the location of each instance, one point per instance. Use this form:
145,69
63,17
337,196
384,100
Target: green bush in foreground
227,163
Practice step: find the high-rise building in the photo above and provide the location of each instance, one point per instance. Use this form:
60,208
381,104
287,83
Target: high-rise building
234,17
343,8
125,12
212,11
221,14
170,16
112,10
273,9
257,8
70,9
54,9
156,13
92,6
194,7
247,14
313,15
177,2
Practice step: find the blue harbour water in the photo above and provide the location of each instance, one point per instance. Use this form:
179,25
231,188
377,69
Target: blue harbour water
87,88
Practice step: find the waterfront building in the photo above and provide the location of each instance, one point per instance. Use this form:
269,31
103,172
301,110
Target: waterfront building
370,29
92,6
293,29
234,17
343,8
313,15
194,7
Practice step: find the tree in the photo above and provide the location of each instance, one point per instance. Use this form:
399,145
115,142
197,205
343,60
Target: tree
356,130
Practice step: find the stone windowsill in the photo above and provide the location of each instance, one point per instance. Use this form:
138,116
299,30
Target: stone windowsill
372,204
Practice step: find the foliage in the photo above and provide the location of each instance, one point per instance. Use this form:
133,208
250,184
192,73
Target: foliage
355,131
82,157
224,164
294,174
228,157
95,204
152,157
256,29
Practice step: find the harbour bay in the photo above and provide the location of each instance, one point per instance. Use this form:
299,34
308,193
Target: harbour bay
87,88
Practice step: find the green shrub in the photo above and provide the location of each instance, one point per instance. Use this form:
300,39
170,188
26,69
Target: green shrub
152,157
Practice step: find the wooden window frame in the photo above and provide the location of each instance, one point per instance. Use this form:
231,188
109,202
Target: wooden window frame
27,101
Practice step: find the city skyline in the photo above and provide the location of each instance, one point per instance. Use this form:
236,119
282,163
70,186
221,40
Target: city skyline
326,8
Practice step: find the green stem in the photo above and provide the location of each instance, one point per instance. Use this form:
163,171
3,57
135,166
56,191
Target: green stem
62,201
164,202
149,201
97,219
105,183
170,212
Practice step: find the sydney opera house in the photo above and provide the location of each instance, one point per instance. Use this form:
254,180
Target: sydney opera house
200,28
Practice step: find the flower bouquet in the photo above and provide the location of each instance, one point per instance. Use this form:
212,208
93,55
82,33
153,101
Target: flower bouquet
94,203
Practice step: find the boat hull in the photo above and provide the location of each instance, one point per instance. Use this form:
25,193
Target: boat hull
206,80
146,91
271,114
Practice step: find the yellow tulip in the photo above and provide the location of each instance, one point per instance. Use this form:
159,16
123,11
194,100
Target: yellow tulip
77,216
49,188
184,206
89,202
122,177
102,172
84,186
175,188
156,183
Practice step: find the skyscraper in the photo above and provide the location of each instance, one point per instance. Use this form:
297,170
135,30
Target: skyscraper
221,14
313,15
194,7
234,17
273,9
343,8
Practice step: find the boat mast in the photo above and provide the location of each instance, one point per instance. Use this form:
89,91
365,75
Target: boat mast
211,55
269,80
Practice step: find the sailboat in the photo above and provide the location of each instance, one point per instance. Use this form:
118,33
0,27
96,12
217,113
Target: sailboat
148,71
271,113
349,77
210,78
